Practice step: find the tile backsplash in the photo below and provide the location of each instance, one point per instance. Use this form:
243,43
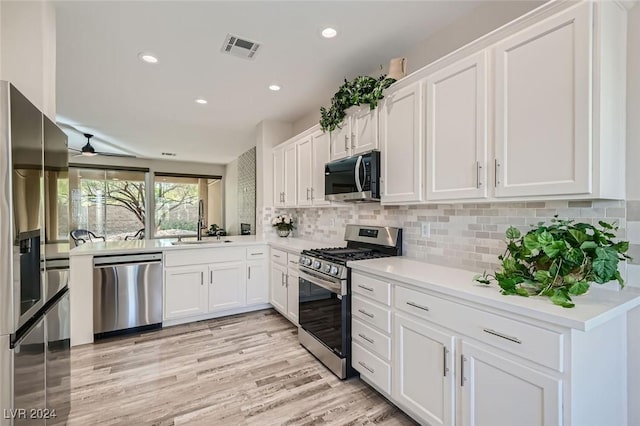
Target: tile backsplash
468,236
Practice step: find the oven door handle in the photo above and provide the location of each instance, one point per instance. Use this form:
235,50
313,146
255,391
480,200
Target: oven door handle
357,173
327,285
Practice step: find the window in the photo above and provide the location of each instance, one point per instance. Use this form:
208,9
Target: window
109,203
176,203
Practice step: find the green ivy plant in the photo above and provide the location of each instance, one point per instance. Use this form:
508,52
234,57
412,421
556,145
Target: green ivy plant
559,260
361,90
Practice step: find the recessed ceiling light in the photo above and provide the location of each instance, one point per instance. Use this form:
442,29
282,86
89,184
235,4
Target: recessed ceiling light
148,58
201,101
274,87
329,32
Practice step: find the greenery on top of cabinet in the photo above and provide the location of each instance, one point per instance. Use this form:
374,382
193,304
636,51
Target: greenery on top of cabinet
559,260
361,90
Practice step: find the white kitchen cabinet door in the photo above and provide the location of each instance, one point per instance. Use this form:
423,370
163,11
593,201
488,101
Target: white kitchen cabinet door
278,177
542,116
499,392
321,156
292,296
340,141
290,176
364,129
185,291
257,282
423,376
401,145
227,288
456,130
304,161
278,288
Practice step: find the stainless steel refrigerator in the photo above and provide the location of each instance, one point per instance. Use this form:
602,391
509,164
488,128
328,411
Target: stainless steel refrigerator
34,265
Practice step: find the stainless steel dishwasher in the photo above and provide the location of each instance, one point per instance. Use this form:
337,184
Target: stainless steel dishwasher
127,293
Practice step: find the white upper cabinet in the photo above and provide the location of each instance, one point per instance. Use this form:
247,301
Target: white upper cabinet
290,177
358,133
278,177
364,129
456,130
402,146
542,112
320,146
304,157
340,147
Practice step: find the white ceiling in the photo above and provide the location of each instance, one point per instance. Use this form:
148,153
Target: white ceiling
134,107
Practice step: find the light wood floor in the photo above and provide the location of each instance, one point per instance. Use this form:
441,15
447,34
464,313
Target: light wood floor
243,370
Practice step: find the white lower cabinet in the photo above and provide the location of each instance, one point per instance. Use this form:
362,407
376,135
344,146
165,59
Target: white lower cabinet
257,282
423,374
185,291
226,286
496,390
203,283
284,284
278,287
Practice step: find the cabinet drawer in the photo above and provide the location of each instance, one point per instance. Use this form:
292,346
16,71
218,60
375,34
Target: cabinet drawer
293,261
279,256
537,344
259,252
378,290
203,256
372,368
371,313
371,339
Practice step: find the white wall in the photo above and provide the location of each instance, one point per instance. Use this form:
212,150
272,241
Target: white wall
28,50
633,193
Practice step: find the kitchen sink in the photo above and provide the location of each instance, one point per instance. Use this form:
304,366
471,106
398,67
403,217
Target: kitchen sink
196,242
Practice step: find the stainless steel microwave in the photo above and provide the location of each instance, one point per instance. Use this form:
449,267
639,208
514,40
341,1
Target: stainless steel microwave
355,179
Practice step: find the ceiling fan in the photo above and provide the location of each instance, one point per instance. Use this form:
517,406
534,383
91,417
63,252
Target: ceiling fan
89,151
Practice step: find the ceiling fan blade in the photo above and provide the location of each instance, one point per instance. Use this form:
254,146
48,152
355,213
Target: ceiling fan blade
113,154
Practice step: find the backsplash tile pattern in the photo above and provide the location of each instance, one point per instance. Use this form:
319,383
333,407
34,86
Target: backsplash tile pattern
247,189
468,236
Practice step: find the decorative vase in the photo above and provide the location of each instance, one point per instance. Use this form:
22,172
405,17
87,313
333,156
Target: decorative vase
397,68
283,232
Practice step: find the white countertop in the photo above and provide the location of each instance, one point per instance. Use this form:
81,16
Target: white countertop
592,309
99,248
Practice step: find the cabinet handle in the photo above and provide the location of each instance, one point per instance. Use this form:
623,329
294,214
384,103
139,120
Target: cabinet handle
353,140
462,361
497,167
366,338
211,277
293,262
364,287
308,196
346,142
445,370
286,281
201,278
363,312
276,255
249,272
415,305
478,167
504,336
371,370
258,254
311,193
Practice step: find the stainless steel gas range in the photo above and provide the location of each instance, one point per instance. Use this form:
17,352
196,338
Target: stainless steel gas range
325,293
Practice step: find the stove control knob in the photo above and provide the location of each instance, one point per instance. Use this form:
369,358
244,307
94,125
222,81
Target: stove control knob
335,270
302,260
305,261
316,264
327,268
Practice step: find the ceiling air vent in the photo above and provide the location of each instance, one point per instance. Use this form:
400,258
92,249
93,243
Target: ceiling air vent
242,48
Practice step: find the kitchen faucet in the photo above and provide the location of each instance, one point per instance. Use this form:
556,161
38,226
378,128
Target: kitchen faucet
200,219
